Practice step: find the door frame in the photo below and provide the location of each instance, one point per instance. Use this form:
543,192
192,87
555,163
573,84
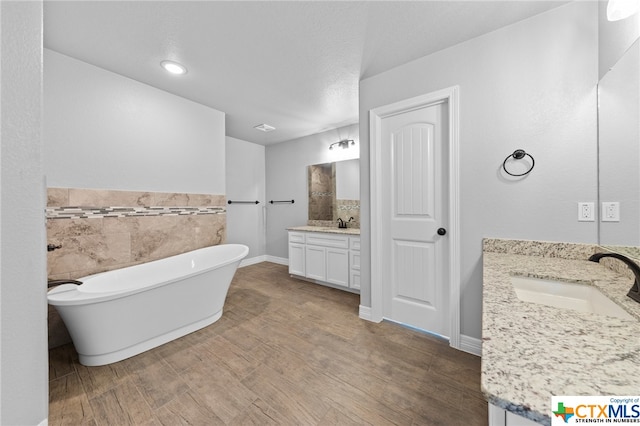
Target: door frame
449,95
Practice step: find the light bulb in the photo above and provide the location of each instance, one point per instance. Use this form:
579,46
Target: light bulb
621,9
174,67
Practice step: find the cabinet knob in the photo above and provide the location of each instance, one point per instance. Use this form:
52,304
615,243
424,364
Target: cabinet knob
442,231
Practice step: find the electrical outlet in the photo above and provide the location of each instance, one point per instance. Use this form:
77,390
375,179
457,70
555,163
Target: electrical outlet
585,212
611,212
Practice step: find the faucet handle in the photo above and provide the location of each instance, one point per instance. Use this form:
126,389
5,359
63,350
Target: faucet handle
52,247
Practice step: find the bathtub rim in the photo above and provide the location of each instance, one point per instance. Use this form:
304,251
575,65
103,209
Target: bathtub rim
68,294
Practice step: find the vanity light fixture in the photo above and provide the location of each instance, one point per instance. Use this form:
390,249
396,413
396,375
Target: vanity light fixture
344,144
173,67
621,9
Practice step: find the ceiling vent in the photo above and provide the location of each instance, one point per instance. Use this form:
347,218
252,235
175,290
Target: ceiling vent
264,128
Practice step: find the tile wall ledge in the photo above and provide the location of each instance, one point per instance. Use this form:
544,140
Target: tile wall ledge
66,197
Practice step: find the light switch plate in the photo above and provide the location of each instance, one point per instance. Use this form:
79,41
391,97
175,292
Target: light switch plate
585,212
610,211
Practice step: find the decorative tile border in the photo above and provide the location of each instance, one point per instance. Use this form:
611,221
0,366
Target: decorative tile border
353,207
102,212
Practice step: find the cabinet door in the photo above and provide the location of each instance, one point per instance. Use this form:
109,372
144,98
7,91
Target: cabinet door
315,263
355,260
338,266
354,280
354,263
296,259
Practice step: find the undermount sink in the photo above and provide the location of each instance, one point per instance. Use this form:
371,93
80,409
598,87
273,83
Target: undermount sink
564,295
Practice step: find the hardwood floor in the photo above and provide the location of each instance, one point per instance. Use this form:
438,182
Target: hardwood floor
285,352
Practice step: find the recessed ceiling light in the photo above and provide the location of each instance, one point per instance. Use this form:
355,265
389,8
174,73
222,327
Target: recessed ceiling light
621,9
264,128
174,67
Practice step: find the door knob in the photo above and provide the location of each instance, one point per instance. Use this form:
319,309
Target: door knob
442,231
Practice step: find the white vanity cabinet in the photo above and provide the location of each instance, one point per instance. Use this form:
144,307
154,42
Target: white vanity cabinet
501,417
296,253
327,258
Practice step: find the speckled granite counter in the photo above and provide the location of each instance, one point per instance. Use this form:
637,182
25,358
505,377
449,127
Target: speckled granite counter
332,230
531,351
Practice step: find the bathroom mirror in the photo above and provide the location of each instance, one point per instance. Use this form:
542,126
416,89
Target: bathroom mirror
619,132
334,191
619,150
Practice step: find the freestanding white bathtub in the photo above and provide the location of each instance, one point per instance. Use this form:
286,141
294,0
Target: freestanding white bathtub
117,314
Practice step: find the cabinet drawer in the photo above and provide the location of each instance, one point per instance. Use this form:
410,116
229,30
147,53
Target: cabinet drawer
296,237
327,240
354,243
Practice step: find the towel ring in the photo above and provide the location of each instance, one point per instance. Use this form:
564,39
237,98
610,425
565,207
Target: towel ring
518,154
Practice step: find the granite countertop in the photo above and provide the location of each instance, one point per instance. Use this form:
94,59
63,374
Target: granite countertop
531,352
329,229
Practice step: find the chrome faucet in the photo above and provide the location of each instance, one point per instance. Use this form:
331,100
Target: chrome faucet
634,293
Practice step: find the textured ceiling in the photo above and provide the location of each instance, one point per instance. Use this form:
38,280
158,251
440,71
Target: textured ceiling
294,65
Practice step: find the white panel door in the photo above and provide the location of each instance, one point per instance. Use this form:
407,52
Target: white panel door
415,208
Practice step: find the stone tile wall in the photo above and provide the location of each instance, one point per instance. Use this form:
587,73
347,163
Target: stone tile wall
103,230
346,209
321,191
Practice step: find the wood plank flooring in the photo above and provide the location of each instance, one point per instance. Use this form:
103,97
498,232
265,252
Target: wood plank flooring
285,352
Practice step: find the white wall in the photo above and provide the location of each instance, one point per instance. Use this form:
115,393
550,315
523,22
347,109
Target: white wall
245,176
286,165
23,321
105,131
532,86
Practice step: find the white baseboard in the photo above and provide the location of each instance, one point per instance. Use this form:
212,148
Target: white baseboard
264,258
364,312
252,261
278,260
470,345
